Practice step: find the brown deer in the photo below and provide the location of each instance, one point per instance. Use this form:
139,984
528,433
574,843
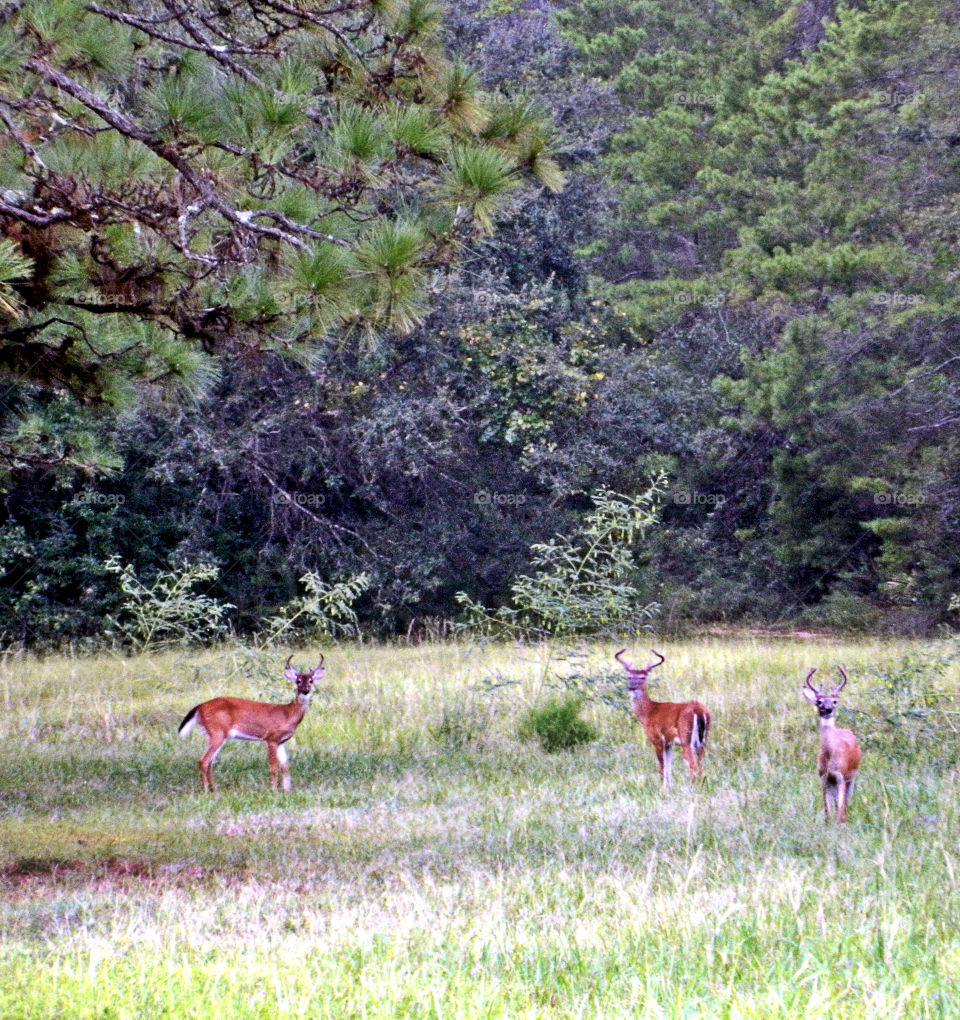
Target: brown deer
839,760
224,719
668,724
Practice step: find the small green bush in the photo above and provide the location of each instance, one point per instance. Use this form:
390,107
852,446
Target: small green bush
557,725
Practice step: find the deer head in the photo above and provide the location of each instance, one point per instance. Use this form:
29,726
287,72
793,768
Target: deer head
637,678
825,704
304,681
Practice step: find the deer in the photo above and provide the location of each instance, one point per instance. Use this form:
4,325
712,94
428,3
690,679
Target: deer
668,724
223,719
839,759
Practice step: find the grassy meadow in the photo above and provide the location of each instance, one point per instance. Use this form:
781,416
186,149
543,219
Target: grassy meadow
429,864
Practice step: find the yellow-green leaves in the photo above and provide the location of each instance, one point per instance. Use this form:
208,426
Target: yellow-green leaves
461,100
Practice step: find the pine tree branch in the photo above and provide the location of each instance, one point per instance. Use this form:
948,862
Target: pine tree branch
35,219
302,14
199,181
218,52
17,136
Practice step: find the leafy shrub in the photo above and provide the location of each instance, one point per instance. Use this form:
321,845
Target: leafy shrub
557,725
326,609
844,611
167,611
904,708
584,583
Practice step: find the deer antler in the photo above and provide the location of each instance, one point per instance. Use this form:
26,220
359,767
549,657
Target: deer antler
623,662
843,673
287,664
320,663
806,683
653,665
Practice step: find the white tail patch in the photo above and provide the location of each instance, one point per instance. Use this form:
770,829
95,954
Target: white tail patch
699,729
187,725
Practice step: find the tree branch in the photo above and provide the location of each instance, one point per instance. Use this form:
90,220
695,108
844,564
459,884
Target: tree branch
168,152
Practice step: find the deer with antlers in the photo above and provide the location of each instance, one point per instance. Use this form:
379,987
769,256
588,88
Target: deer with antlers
224,719
668,724
839,760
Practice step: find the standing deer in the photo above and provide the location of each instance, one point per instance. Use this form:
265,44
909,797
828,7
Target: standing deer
224,719
668,724
839,758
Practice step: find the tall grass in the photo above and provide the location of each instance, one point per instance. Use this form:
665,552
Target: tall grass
429,864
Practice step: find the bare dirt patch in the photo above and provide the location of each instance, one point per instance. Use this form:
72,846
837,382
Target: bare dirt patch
30,878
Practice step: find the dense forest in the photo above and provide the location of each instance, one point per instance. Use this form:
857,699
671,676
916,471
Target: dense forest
360,305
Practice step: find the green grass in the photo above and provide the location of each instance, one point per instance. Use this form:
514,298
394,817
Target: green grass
429,864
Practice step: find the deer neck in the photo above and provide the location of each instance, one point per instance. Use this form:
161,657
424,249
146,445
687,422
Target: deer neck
298,707
828,724
641,703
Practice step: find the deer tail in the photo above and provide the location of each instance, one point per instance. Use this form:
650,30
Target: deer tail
189,721
701,725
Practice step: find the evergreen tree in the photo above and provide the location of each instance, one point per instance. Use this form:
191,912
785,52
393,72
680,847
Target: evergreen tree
180,181
789,176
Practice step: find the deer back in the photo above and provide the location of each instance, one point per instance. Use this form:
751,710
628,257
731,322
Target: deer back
253,719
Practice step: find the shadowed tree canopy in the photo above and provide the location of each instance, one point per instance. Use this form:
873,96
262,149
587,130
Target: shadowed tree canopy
184,180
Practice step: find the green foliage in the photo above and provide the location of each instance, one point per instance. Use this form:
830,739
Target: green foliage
184,206
168,610
584,583
557,725
748,284
844,611
476,182
326,609
13,266
786,176
906,708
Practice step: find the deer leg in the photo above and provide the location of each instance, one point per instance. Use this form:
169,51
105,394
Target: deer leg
206,762
829,796
667,765
688,754
841,799
658,751
284,760
272,759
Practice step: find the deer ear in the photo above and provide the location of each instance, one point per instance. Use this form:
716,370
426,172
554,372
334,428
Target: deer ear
810,695
291,674
319,673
